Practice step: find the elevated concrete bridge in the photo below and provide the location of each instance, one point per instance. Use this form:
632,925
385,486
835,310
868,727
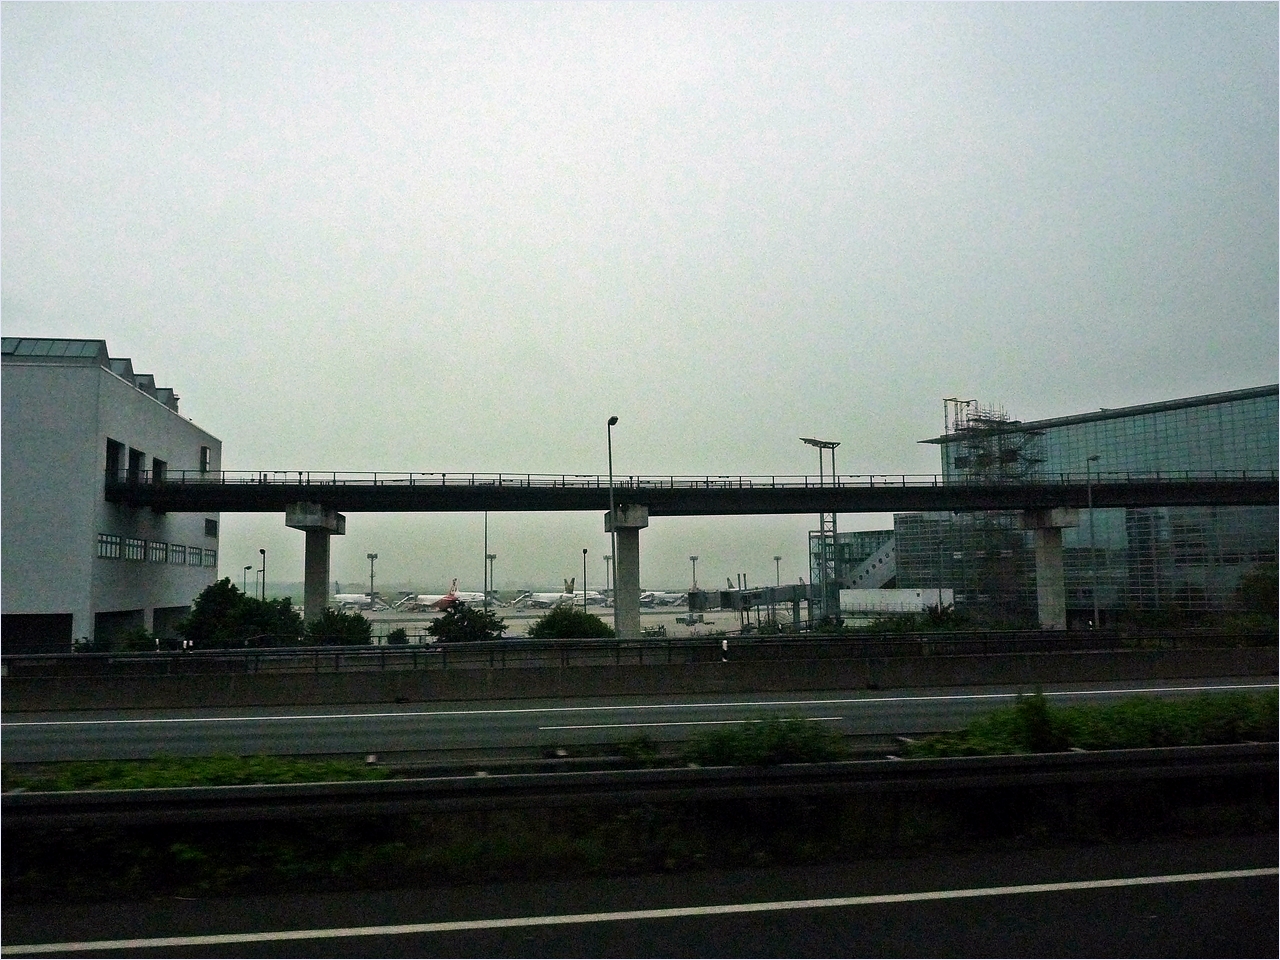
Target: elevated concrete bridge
313,501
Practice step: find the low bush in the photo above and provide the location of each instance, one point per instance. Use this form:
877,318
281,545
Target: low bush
766,742
218,771
1032,725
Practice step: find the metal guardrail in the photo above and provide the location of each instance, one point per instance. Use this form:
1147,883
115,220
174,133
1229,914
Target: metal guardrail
671,482
516,653
515,791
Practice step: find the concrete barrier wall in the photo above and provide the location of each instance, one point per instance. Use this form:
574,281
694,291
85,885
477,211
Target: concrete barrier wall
19,694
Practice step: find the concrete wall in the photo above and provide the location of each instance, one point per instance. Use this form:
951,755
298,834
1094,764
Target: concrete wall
430,686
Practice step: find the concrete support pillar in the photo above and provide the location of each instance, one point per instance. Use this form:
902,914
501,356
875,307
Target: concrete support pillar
320,523
1051,591
315,576
626,522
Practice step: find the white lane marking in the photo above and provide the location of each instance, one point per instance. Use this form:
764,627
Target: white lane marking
643,706
453,926
666,723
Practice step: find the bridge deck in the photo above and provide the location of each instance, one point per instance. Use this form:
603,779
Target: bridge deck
271,492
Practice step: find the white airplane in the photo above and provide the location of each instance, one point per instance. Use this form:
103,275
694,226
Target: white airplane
659,598
556,599
359,601
427,601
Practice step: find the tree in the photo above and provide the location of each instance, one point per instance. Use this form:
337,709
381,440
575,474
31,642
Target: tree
398,637
464,623
222,616
335,628
565,622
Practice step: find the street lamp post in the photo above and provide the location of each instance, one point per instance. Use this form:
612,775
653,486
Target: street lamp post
613,542
1093,560
694,561
584,579
262,550
372,557
490,557
244,579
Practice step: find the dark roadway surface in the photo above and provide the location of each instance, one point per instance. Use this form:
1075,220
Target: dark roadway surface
516,726
1205,918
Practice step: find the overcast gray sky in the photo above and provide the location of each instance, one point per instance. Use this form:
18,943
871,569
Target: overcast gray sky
437,236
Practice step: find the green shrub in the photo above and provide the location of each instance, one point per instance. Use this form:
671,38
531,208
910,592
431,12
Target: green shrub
338,628
1031,725
217,771
766,742
567,622
463,623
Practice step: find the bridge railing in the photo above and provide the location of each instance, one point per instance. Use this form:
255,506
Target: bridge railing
522,653
331,478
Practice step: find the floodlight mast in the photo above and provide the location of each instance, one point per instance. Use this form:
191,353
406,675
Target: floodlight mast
826,558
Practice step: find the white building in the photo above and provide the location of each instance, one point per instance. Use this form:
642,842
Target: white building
73,565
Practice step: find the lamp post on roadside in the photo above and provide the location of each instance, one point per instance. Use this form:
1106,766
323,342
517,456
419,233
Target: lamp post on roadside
694,561
584,579
372,557
613,542
244,579
1093,560
262,550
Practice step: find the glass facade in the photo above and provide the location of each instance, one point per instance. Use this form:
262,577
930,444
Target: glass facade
852,550
1138,559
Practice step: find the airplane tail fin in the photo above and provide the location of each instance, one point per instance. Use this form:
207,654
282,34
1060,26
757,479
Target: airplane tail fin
453,587
568,584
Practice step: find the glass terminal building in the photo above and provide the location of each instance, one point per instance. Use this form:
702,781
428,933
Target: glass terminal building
1191,558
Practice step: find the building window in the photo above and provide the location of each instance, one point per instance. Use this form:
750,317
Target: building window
157,551
195,556
177,553
109,546
204,459
210,558
158,468
210,528
135,549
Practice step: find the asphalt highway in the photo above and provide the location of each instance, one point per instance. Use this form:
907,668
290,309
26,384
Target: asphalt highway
518,726
1190,898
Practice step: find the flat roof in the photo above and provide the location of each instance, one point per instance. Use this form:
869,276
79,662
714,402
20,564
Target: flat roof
1108,413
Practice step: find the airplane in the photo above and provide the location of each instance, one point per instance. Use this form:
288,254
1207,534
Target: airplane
659,598
359,601
445,601
556,599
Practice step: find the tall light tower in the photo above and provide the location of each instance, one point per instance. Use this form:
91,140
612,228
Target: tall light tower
613,542
263,551
584,579
244,580
607,561
827,573
777,570
372,557
490,557
694,561
1093,559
